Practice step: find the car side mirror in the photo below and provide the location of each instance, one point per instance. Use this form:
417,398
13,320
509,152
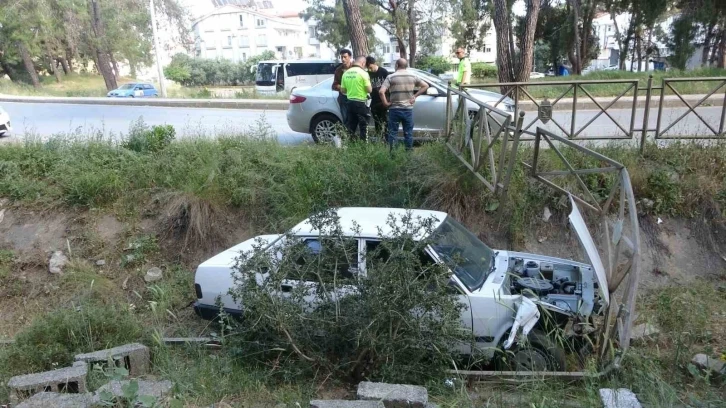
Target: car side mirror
431,91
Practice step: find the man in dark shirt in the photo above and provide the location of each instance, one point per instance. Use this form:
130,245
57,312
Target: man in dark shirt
345,57
379,112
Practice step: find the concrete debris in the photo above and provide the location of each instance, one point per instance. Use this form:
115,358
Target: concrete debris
101,262
394,395
57,262
57,400
643,331
620,398
153,275
547,214
68,380
2,215
156,389
346,404
135,357
647,203
714,365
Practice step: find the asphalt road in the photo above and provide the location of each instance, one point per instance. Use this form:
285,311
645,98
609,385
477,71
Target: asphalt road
43,120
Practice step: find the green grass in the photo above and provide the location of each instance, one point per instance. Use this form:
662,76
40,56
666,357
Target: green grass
88,85
596,90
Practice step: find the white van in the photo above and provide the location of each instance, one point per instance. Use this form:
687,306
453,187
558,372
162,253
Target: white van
284,76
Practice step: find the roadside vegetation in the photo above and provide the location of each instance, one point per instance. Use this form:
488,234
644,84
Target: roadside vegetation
197,188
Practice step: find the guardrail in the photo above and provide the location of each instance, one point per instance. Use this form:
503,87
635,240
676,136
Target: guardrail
474,130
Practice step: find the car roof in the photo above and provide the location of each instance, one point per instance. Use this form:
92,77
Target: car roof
371,222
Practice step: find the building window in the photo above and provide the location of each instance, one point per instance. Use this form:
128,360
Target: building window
488,49
610,28
229,41
244,42
241,20
313,31
260,22
244,56
386,49
262,40
397,49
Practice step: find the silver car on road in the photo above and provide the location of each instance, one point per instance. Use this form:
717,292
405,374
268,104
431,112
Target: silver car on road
314,110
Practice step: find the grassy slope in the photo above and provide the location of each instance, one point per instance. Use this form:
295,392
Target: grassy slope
555,91
273,187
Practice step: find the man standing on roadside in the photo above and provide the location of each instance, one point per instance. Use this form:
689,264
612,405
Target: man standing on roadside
463,76
378,75
345,57
400,109
356,85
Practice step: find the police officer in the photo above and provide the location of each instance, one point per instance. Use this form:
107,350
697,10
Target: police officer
356,85
463,76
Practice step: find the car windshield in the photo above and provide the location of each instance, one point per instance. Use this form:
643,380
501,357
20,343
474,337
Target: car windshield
265,74
464,253
429,78
127,86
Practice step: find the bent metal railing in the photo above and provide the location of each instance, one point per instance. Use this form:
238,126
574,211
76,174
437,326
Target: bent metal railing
474,129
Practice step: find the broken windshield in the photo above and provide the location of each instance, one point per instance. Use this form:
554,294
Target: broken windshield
464,253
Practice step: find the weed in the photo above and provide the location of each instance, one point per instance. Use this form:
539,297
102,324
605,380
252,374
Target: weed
6,260
141,139
139,248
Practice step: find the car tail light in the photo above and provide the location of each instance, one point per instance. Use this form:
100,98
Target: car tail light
297,99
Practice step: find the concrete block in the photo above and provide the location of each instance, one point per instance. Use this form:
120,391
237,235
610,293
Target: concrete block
135,357
67,380
57,400
620,398
151,388
707,363
394,395
346,404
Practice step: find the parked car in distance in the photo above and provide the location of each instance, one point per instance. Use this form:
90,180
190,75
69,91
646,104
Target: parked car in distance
503,291
314,110
5,128
134,90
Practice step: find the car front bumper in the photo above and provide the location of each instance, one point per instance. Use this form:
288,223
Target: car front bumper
5,127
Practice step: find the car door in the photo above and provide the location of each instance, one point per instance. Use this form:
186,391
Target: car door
149,90
429,112
371,253
348,267
138,91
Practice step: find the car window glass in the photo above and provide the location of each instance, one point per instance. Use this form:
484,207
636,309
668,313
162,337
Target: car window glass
343,266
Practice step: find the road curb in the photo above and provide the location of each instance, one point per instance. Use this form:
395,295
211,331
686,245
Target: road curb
670,101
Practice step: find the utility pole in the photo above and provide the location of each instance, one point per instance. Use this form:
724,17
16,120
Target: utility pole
157,48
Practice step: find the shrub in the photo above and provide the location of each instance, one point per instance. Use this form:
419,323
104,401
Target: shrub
397,322
437,64
483,70
189,71
53,340
144,140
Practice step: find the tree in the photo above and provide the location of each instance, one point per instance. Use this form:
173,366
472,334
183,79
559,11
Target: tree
332,27
680,41
511,68
472,20
358,38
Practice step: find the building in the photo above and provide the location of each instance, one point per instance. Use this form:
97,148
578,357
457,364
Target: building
236,32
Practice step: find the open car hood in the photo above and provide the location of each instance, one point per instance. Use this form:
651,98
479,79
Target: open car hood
588,245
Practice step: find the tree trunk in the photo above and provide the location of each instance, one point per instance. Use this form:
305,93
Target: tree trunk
587,18
502,28
526,53
358,38
722,50
576,68
647,49
707,42
639,47
412,35
114,64
52,63
102,61
64,64
512,49
28,63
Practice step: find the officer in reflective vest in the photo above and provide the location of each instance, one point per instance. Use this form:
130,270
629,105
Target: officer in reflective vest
356,85
463,76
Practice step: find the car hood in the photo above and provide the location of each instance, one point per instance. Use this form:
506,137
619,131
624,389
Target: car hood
588,245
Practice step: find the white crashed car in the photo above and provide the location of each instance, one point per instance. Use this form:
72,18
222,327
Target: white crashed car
505,292
5,128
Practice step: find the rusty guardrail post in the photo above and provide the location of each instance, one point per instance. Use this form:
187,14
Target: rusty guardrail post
510,166
646,114
448,111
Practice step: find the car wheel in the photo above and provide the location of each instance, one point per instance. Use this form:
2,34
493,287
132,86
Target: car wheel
324,128
540,353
